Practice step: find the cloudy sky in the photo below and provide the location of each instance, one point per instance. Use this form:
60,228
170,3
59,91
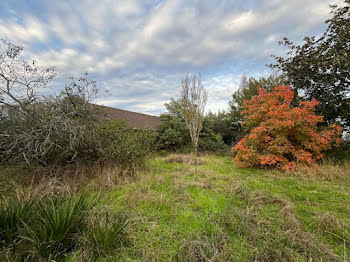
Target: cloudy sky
140,50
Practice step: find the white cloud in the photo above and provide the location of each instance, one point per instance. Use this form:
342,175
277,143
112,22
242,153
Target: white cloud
141,49
30,30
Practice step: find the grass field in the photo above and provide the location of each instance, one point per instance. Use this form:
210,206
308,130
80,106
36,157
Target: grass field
216,211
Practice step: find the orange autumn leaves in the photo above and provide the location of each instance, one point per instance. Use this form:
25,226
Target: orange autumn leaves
282,136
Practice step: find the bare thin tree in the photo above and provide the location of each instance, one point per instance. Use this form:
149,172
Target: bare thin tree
20,81
193,101
34,125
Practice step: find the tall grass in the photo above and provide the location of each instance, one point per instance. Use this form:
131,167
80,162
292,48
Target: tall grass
105,235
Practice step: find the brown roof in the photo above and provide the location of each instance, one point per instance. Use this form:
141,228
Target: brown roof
133,119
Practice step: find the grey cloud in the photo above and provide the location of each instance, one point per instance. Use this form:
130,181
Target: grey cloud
141,49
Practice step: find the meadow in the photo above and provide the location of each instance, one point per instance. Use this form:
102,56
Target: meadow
213,211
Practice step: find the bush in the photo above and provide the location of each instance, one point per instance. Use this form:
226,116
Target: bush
58,129
210,140
58,221
173,135
282,136
12,215
123,145
55,226
339,154
49,130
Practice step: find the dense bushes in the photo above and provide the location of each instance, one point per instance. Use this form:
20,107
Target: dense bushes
282,136
119,144
55,226
59,130
64,135
37,128
210,138
173,135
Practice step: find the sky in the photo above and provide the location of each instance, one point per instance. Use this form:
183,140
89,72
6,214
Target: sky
140,50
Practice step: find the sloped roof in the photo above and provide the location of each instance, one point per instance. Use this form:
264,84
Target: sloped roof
133,119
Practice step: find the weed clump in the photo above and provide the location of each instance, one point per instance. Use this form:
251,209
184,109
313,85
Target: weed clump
105,233
183,159
53,227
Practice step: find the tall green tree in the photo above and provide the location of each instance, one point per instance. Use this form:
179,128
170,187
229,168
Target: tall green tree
172,131
320,67
247,89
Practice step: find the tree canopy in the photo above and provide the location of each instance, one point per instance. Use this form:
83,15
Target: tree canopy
320,67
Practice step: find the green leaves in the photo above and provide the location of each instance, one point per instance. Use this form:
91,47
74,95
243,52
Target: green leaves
54,227
12,215
122,145
59,219
320,67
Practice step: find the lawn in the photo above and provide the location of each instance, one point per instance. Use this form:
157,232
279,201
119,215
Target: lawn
216,211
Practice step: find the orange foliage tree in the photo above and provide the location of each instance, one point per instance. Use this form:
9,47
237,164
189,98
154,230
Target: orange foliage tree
283,136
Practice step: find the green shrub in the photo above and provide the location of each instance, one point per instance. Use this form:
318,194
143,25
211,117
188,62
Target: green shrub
212,142
122,145
173,135
54,232
105,235
12,215
339,154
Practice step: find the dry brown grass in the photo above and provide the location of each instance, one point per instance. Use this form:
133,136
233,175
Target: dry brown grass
183,159
40,182
205,249
327,171
281,240
106,177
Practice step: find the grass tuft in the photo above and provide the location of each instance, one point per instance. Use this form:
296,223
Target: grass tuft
105,235
183,159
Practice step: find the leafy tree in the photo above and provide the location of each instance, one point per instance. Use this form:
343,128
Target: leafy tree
220,125
173,133
320,67
282,136
174,108
246,91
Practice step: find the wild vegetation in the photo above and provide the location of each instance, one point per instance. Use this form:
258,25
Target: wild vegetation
174,213
319,68
281,136
76,186
41,129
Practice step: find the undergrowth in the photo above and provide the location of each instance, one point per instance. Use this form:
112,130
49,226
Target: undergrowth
179,211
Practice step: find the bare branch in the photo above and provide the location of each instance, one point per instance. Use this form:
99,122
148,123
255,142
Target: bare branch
193,101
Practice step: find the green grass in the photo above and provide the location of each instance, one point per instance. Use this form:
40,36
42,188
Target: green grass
230,214
219,212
